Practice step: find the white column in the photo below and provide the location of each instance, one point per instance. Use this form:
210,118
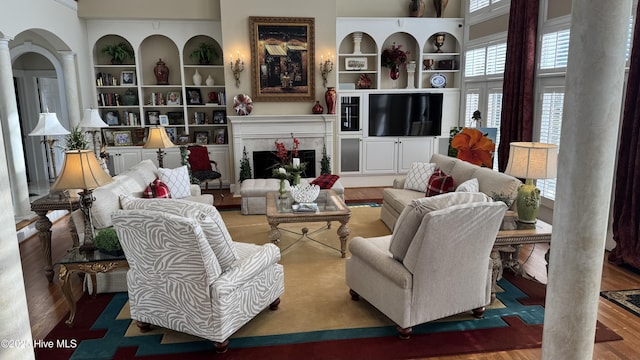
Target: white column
11,134
71,85
592,103
14,314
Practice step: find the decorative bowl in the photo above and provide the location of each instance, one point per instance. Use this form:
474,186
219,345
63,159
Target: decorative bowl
305,193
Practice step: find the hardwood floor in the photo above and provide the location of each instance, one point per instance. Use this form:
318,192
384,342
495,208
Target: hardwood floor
47,305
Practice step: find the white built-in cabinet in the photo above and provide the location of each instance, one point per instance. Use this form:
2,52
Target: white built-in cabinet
360,42
130,99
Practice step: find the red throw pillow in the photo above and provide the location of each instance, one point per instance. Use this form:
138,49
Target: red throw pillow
199,158
439,183
157,189
325,181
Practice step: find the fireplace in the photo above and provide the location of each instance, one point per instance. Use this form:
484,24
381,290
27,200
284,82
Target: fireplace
265,161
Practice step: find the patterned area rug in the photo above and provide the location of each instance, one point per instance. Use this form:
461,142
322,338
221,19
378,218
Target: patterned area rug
627,299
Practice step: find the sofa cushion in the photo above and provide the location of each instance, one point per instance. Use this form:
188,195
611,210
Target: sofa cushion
418,176
105,203
411,217
463,171
177,180
157,189
399,198
325,181
439,183
207,217
469,186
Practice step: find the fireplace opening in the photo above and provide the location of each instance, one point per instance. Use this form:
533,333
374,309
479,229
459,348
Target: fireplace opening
265,161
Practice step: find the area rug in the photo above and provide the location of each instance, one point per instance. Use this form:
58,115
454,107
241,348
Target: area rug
317,318
627,299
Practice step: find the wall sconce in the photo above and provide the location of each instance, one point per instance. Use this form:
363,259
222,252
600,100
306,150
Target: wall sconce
325,68
237,66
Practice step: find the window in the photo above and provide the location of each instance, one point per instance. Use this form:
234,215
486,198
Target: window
475,5
554,50
490,107
550,124
488,60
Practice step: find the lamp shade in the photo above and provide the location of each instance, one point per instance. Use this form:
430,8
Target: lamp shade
157,139
530,160
92,120
48,125
81,170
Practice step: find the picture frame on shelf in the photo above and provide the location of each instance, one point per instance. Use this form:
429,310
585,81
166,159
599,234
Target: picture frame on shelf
183,139
172,134
199,117
219,117
279,76
173,98
112,117
122,138
175,117
107,134
153,117
219,136
194,97
201,137
355,63
164,120
128,77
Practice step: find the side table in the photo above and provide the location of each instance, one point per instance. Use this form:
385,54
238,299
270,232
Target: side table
41,207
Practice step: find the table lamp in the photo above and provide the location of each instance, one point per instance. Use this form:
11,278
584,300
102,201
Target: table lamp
81,170
158,139
49,126
92,122
530,160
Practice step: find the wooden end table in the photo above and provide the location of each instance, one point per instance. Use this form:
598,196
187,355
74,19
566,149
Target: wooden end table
330,208
510,238
91,263
41,207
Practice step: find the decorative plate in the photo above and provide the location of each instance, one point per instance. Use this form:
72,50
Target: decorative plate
242,104
438,80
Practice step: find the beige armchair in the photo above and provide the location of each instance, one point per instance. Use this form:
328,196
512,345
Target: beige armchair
435,264
179,279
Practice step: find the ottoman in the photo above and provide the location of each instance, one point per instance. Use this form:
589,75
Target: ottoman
254,193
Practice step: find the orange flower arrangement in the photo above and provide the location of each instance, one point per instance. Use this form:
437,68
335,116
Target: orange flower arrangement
474,147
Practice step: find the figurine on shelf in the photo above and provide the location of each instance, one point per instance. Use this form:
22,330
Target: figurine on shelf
364,82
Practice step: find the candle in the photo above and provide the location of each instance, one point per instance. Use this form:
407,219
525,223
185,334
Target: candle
296,162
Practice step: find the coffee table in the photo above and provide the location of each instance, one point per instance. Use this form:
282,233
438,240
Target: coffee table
91,263
330,208
510,238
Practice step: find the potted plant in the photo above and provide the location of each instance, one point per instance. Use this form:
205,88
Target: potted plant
118,52
107,242
204,53
75,140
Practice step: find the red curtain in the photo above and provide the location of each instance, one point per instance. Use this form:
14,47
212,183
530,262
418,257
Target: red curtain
519,75
626,206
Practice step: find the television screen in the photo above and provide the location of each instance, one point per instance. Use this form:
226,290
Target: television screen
405,114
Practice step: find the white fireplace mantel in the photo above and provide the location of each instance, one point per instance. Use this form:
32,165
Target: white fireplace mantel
259,133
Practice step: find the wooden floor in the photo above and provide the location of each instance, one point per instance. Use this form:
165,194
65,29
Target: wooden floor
47,305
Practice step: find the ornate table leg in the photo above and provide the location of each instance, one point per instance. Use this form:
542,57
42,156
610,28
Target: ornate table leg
43,225
496,271
65,283
343,233
274,234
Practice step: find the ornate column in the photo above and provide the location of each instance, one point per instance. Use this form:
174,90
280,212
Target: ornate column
11,133
71,85
594,87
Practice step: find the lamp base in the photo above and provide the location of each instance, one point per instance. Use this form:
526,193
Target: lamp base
528,202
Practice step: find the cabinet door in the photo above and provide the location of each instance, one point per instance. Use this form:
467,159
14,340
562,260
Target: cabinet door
380,155
125,159
413,150
350,150
220,154
171,159
351,111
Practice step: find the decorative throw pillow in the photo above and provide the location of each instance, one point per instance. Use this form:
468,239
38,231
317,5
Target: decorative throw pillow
439,183
418,176
207,217
157,189
325,181
177,180
470,185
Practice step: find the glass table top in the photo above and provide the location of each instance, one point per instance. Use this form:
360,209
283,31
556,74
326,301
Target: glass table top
75,256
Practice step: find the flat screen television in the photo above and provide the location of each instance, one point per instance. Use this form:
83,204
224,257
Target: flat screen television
405,114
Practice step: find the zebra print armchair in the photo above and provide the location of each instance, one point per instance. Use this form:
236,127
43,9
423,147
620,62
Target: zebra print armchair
177,280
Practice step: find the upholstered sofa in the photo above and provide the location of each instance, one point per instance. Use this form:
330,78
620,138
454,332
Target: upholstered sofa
491,182
131,182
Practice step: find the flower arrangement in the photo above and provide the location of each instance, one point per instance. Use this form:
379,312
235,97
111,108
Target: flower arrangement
471,145
394,57
283,154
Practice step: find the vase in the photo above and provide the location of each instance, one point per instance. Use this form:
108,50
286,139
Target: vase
440,5
283,190
209,81
330,98
296,177
161,71
394,72
416,8
317,108
129,98
197,78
